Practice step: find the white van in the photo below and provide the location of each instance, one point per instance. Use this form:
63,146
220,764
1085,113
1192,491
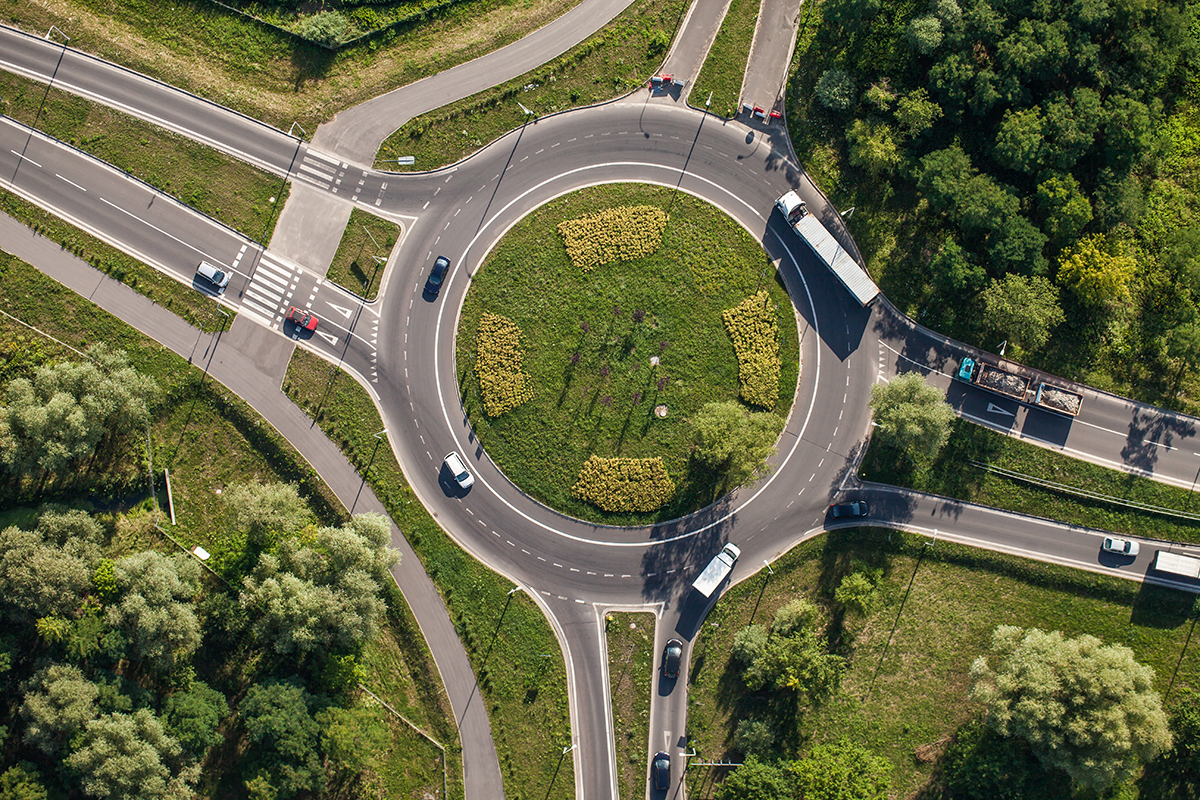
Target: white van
214,275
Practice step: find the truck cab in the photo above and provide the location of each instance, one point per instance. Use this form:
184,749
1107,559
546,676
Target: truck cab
793,208
966,369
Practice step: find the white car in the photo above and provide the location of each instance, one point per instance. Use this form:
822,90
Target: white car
462,475
1123,547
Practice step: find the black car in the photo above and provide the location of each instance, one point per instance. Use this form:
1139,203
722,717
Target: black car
857,508
661,768
440,267
672,654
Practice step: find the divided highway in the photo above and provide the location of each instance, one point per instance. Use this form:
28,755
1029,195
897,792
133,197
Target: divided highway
401,346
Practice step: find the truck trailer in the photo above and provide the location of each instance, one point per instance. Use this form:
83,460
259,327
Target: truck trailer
992,378
1059,400
1177,564
717,570
818,237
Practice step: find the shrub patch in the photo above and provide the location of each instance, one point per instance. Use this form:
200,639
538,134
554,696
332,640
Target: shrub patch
624,484
755,334
614,234
499,365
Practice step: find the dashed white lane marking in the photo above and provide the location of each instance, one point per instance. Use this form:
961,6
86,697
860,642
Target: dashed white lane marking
577,600
25,158
425,206
68,180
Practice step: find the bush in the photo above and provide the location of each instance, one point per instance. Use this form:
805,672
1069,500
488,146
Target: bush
795,616
835,90
615,234
755,333
748,644
754,737
624,484
498,365
328,28
855,593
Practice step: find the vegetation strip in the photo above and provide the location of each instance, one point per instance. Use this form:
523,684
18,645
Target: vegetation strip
498,366
241,196
755,333
217,450
724,67
357,264
614,234
266,74
621,359
954,474
910,633
505,635
618,58
192,306
631,678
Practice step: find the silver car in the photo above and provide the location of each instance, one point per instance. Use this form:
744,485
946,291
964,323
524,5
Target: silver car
458,469
218,277
1122,547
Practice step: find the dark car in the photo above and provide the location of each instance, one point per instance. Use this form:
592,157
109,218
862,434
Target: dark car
661,769
672,654
857,508
433,284
303,320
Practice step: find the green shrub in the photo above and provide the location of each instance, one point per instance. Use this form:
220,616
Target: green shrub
624,484
755,333
499,362
328,28
614,234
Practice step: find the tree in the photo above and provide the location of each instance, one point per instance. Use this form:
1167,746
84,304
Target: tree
754,737
980,764
156,612
755,780
873,146
1084,707
912,415
124,756
1020,140
1099,276
58,702
841,771
1178,771
1015,245
915,112
735,441
328,28
47,571
284,738
1071,124
925,34
944,176
794,616
1021,309
62,414
797,663
1066,211
748,644
193,715
267,511
835,90
856,593
851,14
22,782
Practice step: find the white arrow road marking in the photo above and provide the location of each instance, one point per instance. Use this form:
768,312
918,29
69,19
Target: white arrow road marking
333,340
345,312
995,409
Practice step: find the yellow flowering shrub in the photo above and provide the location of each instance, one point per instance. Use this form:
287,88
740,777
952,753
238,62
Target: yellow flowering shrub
498,364
614,234
624,484
755,333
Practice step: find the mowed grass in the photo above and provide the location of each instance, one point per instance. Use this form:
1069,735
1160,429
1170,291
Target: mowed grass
192,306
725,65
216,53
907,677
631,677
504,634
953,475
604,404
616,59
354,267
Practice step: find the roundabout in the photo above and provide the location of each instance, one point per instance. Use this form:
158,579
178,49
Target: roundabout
617,361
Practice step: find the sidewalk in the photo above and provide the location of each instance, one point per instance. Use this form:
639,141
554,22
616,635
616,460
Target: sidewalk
251,361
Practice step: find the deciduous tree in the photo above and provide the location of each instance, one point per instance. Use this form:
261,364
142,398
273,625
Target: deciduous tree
1022,310
1086,708
1096,271
755,780
22,782
58,702
841,771
47,571
267,511
284,738
124,756
835,90
156,611
873,146
1064,208
915,112
912,415
192,716
735,441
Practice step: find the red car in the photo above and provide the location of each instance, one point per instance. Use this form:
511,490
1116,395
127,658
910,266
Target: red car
303,320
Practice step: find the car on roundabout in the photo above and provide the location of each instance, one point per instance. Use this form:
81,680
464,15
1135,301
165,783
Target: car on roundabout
433,284
855,508
458,468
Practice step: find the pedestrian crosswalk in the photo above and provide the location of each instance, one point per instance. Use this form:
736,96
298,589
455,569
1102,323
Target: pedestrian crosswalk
270,291
337,177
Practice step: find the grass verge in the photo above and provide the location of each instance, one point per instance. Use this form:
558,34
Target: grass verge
906,682
616,59
953,475
208,438
218,54
504,634
725,65
228,190
631,679
354,267
183,301
603,402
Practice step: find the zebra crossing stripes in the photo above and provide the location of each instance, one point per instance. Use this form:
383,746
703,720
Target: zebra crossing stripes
270,292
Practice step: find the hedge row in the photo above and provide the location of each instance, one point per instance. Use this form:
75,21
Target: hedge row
755,332
498,364
614,234
624,484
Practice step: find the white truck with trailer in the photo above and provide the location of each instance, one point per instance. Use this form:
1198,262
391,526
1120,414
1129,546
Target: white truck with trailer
1177,564
818,237
717,570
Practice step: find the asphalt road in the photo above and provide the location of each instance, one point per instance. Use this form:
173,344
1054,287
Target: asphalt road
402,348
